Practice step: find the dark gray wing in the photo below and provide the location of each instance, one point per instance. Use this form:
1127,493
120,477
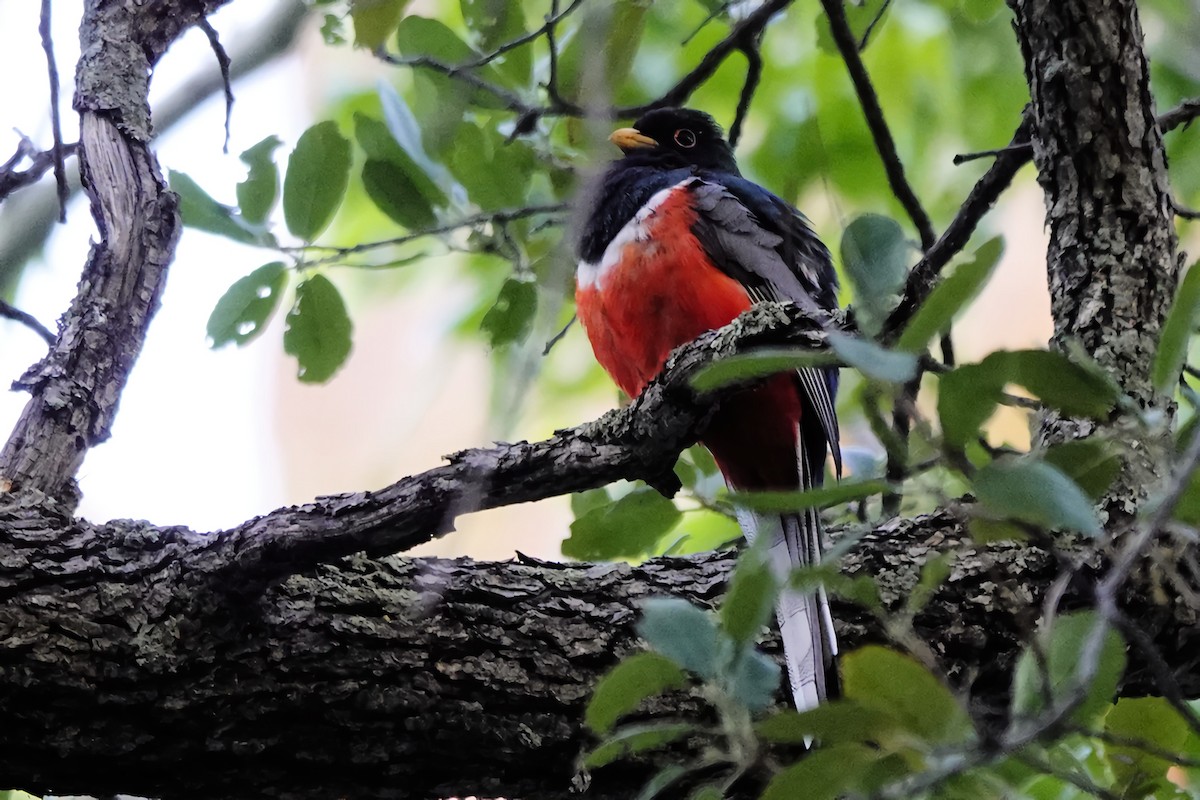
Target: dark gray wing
777,258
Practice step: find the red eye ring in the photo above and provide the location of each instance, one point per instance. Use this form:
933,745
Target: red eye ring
685,138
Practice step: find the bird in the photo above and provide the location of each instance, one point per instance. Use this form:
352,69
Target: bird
675,243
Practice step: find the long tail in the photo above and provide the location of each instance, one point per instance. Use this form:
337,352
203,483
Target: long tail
805,622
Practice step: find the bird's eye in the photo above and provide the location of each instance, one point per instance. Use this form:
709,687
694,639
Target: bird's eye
685,138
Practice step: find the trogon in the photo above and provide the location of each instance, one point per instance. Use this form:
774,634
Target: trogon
677,243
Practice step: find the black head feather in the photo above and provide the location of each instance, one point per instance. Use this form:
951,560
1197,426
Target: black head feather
683,137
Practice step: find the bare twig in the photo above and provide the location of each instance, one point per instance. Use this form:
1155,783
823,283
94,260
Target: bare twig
866,37
924,275
11,179
1182,211
223,62
1025,148
1072,777
753,75
1182,114
60,171
28,320
843,37
556,338
336,254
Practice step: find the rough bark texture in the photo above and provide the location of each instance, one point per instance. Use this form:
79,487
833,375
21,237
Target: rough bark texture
130,651
1112,259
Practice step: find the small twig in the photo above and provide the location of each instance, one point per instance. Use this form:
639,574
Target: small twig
866,37
1024,148
1147,747
1164,680
843,37
1182,211
12,179
753,75
948,349
223,62
1182,114
556,338
28,320
923,276
336,254
678,94
60,169
1081,782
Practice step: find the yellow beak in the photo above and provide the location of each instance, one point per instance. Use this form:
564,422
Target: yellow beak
630,139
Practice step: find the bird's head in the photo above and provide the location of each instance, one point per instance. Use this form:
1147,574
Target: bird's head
676,137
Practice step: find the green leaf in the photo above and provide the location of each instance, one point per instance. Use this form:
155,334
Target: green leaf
257,194
495,172
752,366
374,20
626,685
874,361
511,318
1035,492
663,779
394,194
875,255
1059,382
967,396
497,22
822,497
636,739
1064,645
897,685
600,55
318,330
831,723
1177,332
1090,463
683,633
378,142
754,680
318,172
1187,510
242,312
750,597
200,211
825,773
583,502
951,296
625,528
1144,719
421,36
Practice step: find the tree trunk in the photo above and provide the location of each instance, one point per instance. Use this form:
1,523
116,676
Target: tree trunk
1112,259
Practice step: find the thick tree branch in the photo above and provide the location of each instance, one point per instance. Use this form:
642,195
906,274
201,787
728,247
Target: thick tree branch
640,441
411,677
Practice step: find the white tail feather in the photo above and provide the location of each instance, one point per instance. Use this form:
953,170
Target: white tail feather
805,623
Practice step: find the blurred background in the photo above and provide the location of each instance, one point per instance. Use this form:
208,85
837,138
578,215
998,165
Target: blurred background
209,438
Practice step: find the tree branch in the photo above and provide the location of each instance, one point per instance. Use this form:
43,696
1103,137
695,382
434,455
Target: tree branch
843,37
76,387
28,320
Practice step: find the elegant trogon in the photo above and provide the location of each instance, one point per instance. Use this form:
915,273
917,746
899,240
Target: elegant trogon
676,243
